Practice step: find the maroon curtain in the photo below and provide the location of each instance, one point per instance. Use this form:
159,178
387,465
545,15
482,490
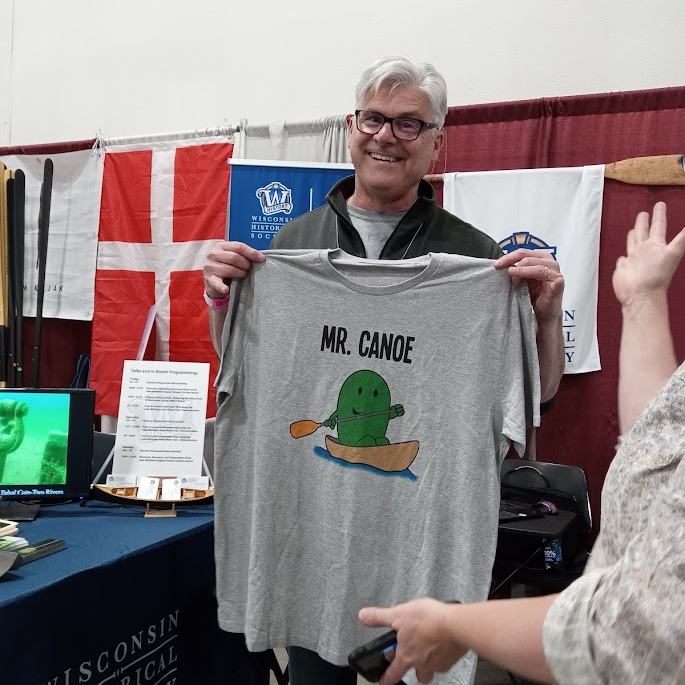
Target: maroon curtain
48,148
574,131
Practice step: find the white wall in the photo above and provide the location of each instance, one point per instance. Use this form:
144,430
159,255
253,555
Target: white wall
69,68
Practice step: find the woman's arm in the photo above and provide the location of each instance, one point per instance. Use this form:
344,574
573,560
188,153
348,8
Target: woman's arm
641,280
433,636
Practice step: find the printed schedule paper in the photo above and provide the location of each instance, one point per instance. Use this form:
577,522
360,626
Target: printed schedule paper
161,424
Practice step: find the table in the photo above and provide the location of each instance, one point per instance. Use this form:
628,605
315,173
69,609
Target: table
129,601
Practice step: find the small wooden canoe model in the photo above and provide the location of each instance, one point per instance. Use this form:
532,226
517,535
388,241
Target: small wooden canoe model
130,495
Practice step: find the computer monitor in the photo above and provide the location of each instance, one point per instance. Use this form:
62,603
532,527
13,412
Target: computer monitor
46,446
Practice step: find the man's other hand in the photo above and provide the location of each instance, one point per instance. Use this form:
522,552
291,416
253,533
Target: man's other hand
545,282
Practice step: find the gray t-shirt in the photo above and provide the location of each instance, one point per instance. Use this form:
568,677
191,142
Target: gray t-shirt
438,355
374,228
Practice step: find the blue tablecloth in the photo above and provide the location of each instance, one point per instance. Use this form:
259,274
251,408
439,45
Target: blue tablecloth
129,601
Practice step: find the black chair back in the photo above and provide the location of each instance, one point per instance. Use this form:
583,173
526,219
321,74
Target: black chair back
569,479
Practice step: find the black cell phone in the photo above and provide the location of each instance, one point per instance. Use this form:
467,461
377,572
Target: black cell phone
371,659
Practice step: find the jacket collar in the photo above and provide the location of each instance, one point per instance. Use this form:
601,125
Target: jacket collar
348,239
344,189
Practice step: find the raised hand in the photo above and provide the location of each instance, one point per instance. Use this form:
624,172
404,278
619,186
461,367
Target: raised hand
650,261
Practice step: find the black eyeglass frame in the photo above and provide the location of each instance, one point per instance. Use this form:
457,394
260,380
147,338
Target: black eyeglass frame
390,120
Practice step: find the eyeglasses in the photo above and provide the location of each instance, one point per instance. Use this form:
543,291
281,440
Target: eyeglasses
403,128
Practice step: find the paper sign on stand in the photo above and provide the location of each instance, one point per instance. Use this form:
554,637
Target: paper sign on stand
161,422
121,480
195,482
147,487
171,489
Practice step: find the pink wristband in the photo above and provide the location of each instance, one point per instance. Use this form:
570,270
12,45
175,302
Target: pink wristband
217,304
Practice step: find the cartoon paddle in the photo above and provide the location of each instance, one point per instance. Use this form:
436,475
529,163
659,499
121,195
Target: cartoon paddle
306,427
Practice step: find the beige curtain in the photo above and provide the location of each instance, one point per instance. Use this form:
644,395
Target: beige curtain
322,140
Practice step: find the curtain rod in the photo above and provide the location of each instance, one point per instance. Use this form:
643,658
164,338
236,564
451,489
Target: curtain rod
298,127
166,137
659,170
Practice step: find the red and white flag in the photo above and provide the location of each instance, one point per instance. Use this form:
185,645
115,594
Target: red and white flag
163,207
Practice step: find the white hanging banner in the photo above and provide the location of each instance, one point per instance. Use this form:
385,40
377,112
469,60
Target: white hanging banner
72,233
556,210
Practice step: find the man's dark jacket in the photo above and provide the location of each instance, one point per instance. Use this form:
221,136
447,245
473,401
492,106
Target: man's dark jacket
424,228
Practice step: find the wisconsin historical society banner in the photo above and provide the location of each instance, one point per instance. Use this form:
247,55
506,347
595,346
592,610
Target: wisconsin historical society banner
266,195
556,210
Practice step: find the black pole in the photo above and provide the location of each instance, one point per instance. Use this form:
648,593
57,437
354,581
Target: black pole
10,340
43,226
4,305
18,264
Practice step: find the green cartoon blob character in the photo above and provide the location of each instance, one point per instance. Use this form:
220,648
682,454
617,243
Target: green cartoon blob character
364,410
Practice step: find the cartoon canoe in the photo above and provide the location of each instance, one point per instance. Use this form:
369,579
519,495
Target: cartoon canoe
393,457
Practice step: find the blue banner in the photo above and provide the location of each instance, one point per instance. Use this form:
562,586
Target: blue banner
267,195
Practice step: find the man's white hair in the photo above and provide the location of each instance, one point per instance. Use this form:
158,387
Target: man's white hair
399,71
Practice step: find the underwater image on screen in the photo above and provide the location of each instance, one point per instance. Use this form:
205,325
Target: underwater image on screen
33,438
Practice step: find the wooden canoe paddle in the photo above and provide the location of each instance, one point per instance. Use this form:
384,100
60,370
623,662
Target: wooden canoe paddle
306,427
659,170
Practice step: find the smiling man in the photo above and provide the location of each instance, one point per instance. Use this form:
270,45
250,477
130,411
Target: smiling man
388,211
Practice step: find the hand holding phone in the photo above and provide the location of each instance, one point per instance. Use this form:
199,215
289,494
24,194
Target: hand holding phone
371,659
